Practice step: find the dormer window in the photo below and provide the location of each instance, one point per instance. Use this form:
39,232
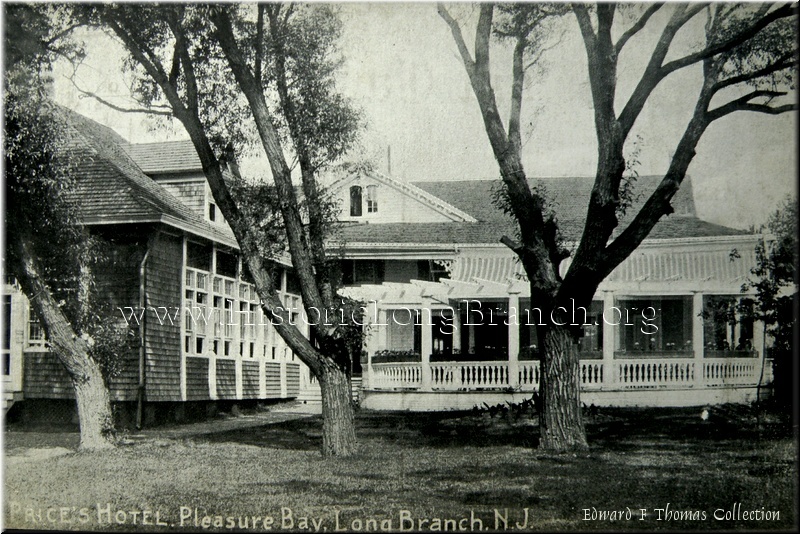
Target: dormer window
372,199
355,201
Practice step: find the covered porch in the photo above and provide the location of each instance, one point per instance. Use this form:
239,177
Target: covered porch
456,344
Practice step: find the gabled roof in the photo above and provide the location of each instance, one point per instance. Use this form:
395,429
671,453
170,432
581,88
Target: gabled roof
433,201
569,199
111,187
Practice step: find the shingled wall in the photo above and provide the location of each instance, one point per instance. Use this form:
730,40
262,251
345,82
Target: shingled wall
163,338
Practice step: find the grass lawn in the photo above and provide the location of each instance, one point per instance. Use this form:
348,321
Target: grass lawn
472,469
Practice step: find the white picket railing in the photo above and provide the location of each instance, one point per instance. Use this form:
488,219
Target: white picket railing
395,376
469,375
632,374
645,373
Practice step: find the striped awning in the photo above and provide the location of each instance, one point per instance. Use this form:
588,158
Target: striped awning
652,264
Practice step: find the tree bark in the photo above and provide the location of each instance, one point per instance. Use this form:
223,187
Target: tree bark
338,419
560,419
91,392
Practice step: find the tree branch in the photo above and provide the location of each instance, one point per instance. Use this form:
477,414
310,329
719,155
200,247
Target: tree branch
518,80
784,11
637,27
148,111
784,62
654,73
744,104
584,23
455,29
300,253
259,43
186,60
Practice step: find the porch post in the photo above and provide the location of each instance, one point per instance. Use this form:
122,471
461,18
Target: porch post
513,340
609,332
372,321
758,345
456,328
427,344
697,339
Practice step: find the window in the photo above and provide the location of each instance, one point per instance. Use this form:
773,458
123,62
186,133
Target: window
592,331
198,256
227,264
355,201
484,329
363,272
727,323
212,212
670,330
372,199
36,336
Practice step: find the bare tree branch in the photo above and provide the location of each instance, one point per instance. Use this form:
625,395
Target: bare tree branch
181,47
259,47
455,29
784,62
518,74
784,11
147,111
637,27
653,73
744,104
584,23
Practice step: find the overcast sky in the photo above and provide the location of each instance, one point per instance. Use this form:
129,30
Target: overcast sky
402,68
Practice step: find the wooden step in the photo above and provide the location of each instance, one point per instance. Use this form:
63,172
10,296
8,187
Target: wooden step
9,398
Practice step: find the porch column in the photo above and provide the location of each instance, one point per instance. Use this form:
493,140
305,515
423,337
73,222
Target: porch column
760,348
456,328
697,339
513,340
372,319
427,344
609,332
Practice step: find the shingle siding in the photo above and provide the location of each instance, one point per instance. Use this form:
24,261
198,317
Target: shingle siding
45,377
250,388
163,337
226,379
197,379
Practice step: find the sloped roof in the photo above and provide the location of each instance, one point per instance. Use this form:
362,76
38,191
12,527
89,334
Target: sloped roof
411,191
165,157
568,195
115,186
569,199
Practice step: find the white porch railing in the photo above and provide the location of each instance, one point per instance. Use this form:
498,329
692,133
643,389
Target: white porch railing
395,376
649,373
469,375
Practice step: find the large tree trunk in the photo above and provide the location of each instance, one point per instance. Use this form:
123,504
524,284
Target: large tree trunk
560,421
94,406
91,392
338,424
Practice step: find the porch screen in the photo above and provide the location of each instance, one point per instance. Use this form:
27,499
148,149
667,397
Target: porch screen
669,331
727,323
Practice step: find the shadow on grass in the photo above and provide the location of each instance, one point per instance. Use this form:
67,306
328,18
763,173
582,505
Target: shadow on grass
437,430
610,430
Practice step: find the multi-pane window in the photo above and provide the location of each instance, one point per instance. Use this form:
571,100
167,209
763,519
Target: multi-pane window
36,337
222,315
372,199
